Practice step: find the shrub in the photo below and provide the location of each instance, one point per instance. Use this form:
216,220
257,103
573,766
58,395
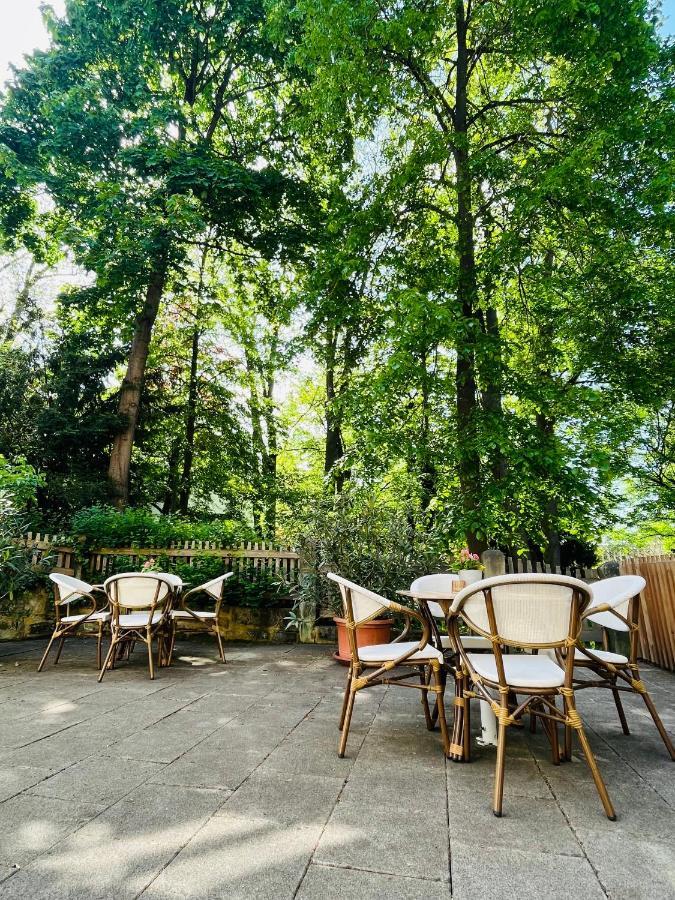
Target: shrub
372,542
104,526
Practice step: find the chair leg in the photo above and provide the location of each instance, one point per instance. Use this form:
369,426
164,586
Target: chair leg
347,721
58,652
424,679
498,796
466,734
575,721
109,656
567,745
220,643
46,653
150,662
649,703
440,706
99,638
172,642
620,710
345,699
555,746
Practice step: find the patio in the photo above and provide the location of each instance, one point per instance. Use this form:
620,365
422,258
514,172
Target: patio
224,781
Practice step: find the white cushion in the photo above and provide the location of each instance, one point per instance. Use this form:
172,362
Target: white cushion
184,614
96,617
139,620
605,655
607,619
521,670
386,652
469,642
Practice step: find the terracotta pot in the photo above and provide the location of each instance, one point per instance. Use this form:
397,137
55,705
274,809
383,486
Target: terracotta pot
376,632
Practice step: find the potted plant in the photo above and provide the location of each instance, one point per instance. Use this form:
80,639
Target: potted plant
469,565
377,631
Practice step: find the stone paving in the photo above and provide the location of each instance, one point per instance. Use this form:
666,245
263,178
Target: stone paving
224,782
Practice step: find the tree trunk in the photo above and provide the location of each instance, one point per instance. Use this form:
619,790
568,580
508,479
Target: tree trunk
190,423
467,291
170,490
334,449
270,459
129,403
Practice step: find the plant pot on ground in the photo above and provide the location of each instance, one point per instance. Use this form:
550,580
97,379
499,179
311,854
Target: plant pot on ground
378,631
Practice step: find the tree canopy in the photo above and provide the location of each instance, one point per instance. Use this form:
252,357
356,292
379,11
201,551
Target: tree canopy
416,254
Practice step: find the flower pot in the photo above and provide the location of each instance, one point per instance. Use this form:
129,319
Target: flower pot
376,632
469,576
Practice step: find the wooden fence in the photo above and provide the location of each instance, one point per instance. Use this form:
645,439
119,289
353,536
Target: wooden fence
657,607
517,564
252,560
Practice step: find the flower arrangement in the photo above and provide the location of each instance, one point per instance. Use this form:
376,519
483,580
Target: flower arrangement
468,560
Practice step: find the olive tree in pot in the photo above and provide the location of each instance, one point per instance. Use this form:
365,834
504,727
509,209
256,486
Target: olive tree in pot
368,541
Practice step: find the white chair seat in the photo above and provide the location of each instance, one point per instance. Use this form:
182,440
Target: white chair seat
139,620
184,614
520,670
387,652
469,642
102,616
604,655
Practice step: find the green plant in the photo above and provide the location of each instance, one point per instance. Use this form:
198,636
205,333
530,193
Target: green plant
18,573
366,539
104,526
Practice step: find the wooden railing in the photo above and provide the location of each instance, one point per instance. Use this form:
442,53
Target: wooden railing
657,607
251,560
516,564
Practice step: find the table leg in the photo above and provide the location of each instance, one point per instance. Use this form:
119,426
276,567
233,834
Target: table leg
488,726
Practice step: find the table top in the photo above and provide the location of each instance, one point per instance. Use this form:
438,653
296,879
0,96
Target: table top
429,595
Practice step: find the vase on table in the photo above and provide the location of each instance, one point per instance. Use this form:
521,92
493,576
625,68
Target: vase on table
469,576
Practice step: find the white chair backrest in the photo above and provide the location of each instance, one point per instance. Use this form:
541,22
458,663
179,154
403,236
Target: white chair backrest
138,590
435,584
215,586
530,609
617,592
365,604
69,589
174,580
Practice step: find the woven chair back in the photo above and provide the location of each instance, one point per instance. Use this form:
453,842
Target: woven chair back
69,589
360,604
435,584
137,590
617,592
525,610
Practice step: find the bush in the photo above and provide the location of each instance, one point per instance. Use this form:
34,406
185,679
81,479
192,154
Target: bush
371,542
103,526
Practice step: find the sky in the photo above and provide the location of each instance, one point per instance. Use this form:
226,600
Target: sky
22,30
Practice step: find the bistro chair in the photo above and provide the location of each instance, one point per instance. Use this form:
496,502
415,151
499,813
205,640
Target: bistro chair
203,620
441,583
615,607
360,606
139,602
67,591
527,612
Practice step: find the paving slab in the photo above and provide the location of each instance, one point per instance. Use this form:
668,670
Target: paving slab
223,781
120,852
333,883
504,873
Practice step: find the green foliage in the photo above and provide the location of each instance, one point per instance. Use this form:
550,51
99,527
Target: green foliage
368,539
17,572
18,482
104,526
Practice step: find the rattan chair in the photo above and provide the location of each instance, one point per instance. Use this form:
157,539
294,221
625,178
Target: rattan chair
615,606
139,602
439,584
208,620
533,612
71,591
360,606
